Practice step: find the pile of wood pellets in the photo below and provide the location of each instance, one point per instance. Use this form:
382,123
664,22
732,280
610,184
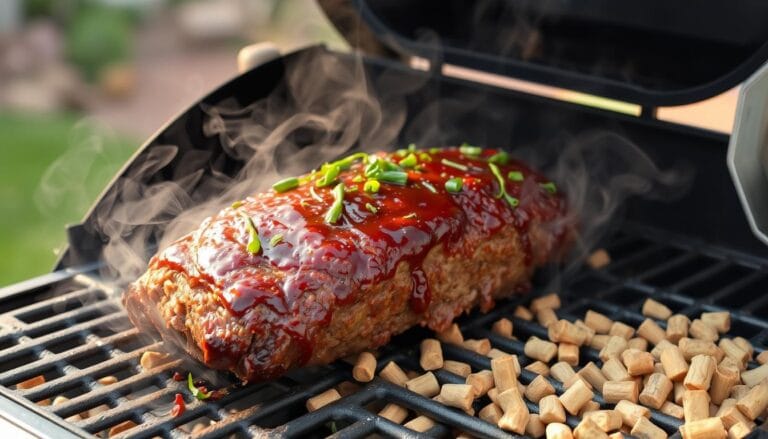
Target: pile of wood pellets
689,370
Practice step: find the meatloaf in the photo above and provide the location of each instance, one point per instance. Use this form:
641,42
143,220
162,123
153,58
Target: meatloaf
339,260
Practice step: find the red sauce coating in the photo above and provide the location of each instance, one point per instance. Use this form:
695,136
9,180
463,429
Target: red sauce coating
363,247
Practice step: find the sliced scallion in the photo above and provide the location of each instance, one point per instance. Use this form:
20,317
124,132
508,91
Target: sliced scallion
276,239
371,186
411,147
409,161
549,187
331,172
393,177
286,184
500,158
515,176
499,178
453,185
429,186
371,208
195,391
254,244
514,202
434,150
454,165
347,161
358,179
472,151
237,204
334,213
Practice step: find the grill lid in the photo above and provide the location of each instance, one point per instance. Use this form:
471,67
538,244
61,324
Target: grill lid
649,52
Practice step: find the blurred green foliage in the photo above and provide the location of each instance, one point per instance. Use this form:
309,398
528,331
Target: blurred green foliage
31,226
97,38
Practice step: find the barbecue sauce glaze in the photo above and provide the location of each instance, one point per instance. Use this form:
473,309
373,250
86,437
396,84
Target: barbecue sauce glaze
363,247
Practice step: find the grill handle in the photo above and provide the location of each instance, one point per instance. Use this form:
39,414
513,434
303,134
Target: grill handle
748,151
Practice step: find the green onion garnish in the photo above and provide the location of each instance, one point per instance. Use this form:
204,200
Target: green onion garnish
334,213
358,179
470,150
254,245
393,177
410,216
195,391
347,161
549,186
286,184
429,186
329,177
434,150
502,186
409,161
314,194
237,204
496,173
424,157
500,158
411,147
371,186
455,165
515,176
276,239
371,208
454,185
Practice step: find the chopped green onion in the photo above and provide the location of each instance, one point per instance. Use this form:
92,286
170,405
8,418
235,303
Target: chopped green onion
515,176
499,178
454,185
286,184
347,161
401,152
334,213
411,147
352,189
371,208
470,150
314,194
254,245
549,186
434,150
195,391
371,186
237,204
329,177
424,157
410,216
409,161
500,158
303,204
276,239
502,187
454,165
429,186
393,177
358,179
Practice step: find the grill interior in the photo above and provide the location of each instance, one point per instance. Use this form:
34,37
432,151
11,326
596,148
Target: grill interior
68,327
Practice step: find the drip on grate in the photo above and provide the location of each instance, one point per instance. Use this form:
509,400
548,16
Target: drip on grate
71,332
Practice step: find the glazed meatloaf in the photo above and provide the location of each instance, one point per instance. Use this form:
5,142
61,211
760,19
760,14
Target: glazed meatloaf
338,261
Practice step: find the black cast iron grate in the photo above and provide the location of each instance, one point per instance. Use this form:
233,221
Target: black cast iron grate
67,327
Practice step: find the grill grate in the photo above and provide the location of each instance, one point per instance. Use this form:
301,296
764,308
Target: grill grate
67,327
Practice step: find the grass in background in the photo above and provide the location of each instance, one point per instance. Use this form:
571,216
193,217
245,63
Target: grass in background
52,167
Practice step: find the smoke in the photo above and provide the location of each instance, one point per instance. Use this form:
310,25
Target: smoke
325,107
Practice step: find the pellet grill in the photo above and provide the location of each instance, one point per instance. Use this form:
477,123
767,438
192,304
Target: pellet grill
693,253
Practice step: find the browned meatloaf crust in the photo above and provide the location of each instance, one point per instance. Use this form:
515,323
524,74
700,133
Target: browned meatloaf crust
447,229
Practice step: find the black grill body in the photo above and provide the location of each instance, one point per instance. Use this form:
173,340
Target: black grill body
694,254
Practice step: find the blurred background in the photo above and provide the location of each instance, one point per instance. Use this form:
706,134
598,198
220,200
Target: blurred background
83,83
